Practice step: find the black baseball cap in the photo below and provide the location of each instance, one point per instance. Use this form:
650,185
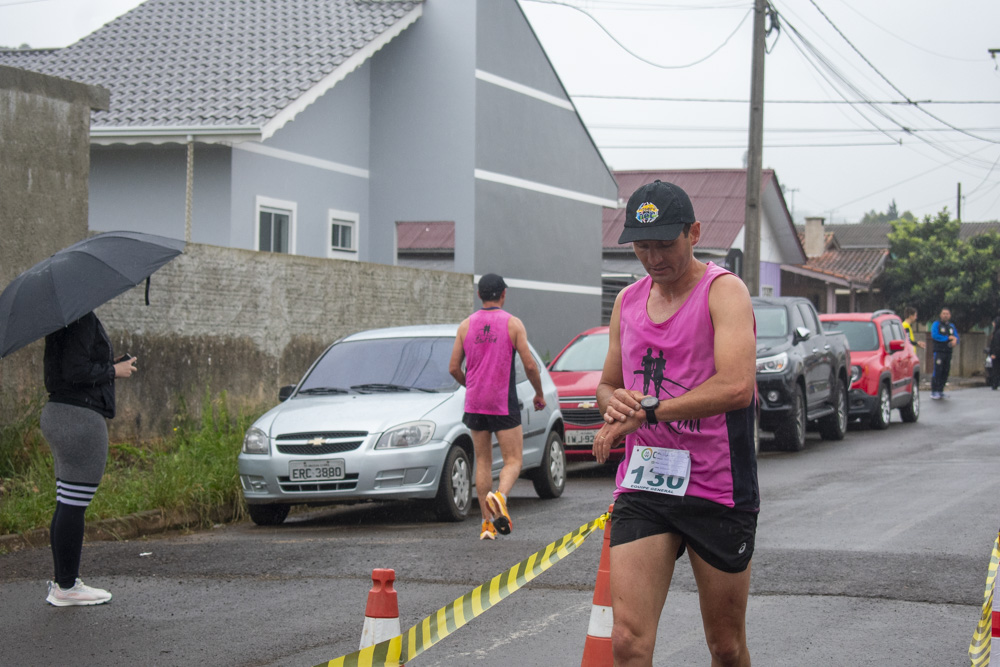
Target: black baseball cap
491,286
656,211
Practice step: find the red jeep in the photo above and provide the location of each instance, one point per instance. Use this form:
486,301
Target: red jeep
885,369
576,371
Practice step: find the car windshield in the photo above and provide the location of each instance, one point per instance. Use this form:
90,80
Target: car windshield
772,321
587,353
861,336
383,365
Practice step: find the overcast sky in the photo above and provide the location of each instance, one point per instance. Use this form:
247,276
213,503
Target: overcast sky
834,160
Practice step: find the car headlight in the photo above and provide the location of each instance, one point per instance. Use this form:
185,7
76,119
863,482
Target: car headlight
855,374
774,364
412,434
256,442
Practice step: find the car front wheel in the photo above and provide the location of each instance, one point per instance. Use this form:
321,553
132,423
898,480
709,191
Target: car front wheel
454,494
834,427
883,409
268,515
911,411
549,478
791,436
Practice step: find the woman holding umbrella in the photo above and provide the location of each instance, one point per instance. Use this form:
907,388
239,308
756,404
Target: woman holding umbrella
80,374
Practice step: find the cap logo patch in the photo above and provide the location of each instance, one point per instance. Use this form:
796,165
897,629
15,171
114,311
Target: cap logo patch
647,212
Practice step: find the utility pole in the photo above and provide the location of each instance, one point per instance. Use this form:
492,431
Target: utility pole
792,192
751,220
958,204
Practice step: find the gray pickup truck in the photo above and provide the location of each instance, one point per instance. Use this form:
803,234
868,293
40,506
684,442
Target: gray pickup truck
802,372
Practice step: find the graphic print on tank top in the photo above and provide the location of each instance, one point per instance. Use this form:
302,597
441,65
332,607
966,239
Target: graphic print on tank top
653,378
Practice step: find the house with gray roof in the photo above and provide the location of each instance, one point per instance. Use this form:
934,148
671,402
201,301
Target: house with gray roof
328,128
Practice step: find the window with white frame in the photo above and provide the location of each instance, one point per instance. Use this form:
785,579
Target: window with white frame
275,225
342,234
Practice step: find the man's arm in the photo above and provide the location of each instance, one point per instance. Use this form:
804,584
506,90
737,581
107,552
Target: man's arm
622,421
458,353
936,333
519,337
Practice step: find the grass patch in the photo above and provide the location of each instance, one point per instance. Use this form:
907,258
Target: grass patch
192,470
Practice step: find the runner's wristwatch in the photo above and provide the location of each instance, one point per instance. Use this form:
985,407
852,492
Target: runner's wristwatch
649,404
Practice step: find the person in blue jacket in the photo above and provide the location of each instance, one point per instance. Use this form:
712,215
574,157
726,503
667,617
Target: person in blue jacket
945,337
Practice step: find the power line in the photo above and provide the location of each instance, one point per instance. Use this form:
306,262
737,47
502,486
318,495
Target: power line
724,100
636,55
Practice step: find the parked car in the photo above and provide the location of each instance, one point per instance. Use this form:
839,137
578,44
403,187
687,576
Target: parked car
378,417
576,372
885,369
802,372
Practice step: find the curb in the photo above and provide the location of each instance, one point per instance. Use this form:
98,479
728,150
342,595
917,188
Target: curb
121,528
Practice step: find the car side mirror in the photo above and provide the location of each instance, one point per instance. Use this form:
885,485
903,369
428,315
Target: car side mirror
285,392
896,346
801,334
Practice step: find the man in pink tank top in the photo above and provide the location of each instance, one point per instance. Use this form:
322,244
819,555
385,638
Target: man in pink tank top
678,387
486,341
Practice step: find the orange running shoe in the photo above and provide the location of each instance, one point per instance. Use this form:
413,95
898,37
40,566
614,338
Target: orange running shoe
497,503
489,532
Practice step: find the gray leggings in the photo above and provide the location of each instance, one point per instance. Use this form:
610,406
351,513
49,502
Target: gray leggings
78,438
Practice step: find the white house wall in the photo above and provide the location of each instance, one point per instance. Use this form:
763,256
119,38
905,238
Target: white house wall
319,161
144,189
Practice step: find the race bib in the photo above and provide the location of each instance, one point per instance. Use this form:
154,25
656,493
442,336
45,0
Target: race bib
659,470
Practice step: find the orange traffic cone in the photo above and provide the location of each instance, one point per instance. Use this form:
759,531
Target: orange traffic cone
382,611
597,649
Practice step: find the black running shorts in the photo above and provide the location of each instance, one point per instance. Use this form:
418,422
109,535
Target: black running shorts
491,423
722,536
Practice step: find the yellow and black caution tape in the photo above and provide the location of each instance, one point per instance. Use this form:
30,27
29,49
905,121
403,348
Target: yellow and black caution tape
403,648
979,649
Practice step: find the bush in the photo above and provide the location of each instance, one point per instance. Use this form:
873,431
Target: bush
193,470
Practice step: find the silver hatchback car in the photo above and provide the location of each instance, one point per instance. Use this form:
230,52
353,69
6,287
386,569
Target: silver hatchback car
378,417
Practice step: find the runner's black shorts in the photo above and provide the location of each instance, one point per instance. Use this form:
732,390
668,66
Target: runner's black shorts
491,423
722,536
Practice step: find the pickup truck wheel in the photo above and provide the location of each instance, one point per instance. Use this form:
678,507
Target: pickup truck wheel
791,436
454,494
883,409
549,478
834,427
271,514
911,411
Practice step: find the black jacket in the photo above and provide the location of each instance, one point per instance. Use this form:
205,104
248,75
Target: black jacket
995,342
79,367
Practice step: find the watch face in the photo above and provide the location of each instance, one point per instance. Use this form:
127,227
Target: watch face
649,402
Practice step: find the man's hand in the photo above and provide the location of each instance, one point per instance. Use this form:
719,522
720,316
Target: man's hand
539,402
622,405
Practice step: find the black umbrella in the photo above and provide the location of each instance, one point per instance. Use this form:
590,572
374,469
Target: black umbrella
63,288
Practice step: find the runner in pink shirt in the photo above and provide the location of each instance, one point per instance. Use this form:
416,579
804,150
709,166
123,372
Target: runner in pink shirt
486,341
678,387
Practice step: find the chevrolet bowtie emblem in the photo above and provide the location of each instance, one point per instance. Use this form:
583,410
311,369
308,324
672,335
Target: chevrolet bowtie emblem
586,405
315,442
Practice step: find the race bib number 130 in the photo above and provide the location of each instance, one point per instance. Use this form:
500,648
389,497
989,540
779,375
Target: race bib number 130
658,470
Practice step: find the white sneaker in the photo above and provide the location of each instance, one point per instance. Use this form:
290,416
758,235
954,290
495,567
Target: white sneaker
80,594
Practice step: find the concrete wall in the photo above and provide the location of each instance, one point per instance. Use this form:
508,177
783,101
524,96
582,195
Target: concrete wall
248,322
44,135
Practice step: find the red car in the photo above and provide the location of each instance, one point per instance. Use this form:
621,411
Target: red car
576,372
885,370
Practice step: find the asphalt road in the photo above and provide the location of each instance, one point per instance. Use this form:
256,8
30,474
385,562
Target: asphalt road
870,551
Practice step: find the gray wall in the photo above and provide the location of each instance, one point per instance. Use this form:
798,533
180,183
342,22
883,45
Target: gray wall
44,134
247,323
423,129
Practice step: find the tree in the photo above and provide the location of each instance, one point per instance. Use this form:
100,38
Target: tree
930,268
891,213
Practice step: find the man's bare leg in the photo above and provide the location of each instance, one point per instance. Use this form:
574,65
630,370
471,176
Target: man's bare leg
483,444
511,448
723,598
640,577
